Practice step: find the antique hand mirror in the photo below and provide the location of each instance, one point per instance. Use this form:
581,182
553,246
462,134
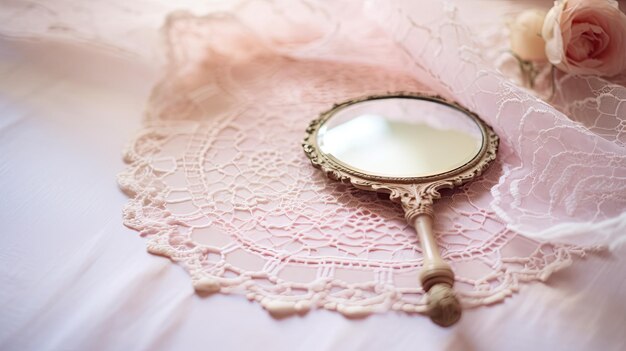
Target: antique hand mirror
410,146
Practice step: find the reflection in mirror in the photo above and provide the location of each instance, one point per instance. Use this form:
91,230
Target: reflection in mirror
401,137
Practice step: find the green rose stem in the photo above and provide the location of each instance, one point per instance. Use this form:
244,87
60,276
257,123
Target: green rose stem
528,69
553,82
530,72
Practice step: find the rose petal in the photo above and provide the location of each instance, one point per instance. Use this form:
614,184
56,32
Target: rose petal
586,37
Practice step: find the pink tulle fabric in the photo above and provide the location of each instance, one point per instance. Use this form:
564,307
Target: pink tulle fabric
219,184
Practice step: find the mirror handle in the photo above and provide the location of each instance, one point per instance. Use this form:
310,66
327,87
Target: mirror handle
437,277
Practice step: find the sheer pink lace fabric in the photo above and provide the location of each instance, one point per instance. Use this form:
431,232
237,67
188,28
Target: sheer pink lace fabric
219,184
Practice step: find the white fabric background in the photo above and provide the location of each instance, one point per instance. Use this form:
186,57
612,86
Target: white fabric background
74,278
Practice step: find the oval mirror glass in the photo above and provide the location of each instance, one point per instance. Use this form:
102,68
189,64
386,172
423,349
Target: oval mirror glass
401,137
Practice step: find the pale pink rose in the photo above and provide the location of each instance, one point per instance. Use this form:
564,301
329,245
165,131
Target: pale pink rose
525,35
586,37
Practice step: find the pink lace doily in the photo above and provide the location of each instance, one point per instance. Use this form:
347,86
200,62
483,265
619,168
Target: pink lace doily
220,185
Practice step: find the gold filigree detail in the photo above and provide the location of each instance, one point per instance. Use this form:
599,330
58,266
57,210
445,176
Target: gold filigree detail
416,194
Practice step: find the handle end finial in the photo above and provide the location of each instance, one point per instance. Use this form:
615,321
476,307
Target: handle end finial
445,308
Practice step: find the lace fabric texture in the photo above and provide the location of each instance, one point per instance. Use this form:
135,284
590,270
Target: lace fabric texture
219,184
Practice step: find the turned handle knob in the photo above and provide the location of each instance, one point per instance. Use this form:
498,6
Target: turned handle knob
443,306
437,277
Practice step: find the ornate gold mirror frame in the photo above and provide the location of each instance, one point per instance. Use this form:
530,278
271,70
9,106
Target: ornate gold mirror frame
416,195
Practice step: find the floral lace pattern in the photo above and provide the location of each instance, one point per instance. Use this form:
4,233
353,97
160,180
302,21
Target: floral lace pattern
220,185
